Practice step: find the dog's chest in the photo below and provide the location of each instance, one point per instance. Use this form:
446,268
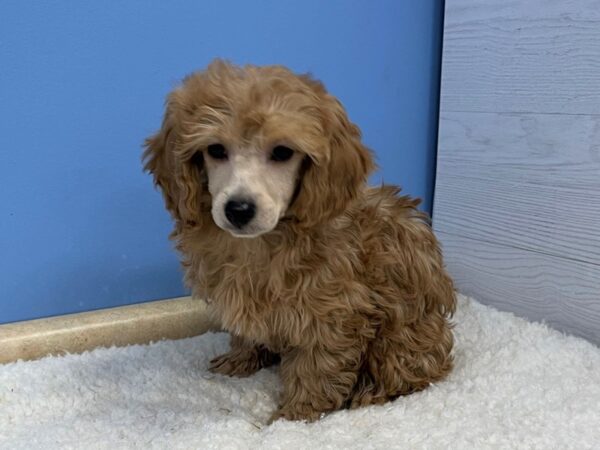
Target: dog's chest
275,294
261,302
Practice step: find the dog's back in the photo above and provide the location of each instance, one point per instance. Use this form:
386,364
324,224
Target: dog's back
410,285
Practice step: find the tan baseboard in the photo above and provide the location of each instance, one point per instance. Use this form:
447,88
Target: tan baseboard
75,333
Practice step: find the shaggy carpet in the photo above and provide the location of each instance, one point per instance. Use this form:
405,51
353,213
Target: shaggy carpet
516,385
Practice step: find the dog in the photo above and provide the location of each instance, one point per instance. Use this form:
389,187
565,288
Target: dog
303,264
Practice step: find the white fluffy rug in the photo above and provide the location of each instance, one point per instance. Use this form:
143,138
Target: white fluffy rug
516,385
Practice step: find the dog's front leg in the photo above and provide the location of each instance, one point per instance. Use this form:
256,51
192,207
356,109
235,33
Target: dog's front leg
243,359
316,381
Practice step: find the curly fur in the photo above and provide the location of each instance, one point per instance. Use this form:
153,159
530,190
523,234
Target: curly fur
349,290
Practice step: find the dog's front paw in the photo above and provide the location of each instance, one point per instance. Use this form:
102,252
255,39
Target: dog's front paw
297,412
236,363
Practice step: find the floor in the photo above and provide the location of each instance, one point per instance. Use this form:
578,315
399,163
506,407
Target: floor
516,385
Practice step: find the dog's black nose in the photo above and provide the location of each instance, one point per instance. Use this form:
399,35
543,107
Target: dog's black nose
239,212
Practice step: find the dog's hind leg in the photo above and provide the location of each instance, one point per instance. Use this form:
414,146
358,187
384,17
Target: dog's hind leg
406,360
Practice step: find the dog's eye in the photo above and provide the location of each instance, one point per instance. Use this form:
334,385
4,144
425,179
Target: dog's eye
198,159
217,151
281,153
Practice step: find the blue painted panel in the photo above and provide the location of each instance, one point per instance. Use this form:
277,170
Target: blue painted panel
82,83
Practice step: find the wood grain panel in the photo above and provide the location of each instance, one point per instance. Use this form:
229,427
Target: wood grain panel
522,56
522,180
517,199
556,150
559,291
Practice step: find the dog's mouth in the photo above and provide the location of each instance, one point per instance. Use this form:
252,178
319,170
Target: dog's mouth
248,232
245,234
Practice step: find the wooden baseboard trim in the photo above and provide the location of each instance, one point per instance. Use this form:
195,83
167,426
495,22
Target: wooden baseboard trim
75,333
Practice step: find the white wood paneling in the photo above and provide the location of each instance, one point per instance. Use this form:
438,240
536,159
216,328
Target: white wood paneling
517,201
548,288
526,56
525,180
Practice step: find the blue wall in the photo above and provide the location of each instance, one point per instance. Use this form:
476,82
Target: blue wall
83,82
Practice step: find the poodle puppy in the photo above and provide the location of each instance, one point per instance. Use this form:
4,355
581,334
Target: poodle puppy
303,263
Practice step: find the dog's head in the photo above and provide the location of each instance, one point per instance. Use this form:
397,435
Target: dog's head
250,145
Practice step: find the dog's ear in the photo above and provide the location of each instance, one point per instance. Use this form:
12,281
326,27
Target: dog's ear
334,175
179,176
